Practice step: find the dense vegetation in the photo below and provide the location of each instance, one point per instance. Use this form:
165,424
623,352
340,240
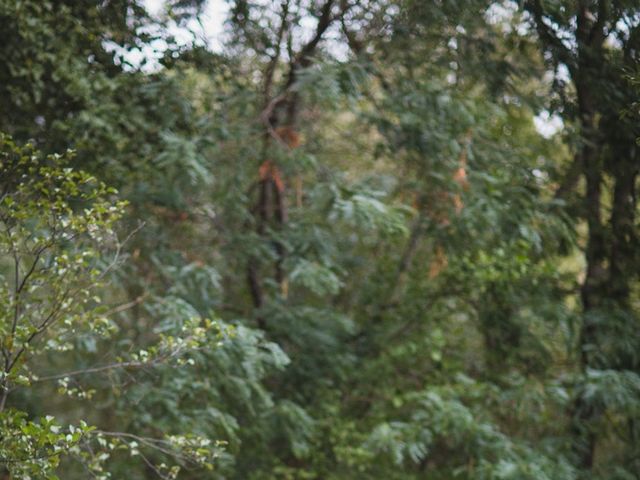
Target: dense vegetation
335,247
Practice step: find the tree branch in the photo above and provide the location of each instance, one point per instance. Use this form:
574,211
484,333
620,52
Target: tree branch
548,37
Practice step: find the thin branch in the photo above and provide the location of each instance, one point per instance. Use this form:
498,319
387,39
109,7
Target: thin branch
324,22
548,37
271,67
265,116
125,306
87,371
155,443
303,58
407,257
164,357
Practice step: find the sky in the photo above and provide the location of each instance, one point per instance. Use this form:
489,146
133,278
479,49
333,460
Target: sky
212,21
210,31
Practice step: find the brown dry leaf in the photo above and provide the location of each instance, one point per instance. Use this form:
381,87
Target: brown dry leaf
439,263
289,136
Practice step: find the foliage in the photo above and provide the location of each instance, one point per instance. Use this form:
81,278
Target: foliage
57,224
343,250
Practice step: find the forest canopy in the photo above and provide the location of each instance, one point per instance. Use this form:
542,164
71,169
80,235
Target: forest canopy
320,239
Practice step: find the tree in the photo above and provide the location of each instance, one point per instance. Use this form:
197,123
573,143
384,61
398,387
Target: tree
356,192
56,225
597,42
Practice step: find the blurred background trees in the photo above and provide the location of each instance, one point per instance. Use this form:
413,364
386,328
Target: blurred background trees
348,244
